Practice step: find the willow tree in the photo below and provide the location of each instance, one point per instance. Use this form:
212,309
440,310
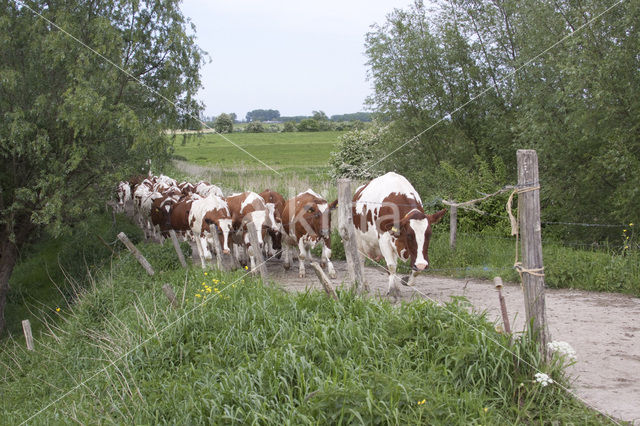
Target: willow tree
71,121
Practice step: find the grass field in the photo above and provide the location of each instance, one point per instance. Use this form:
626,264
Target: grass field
239,352
280,151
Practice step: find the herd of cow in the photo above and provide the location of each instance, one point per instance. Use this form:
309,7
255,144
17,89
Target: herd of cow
387,212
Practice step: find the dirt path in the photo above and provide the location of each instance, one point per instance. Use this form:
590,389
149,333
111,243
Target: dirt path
603,328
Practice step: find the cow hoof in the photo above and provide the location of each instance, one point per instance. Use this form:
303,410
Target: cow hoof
286,267
323,264
404,280
333,275
301,275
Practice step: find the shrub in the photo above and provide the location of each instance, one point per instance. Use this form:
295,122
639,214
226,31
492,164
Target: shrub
355,152
254,127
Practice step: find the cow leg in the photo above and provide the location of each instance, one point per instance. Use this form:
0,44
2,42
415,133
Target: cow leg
393,290
286,262
199,248
301,258
412,278
326,258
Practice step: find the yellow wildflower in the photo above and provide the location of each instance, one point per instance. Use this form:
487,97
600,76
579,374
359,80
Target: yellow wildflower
422,402
57,309
206,273
486,409
198,295
246,267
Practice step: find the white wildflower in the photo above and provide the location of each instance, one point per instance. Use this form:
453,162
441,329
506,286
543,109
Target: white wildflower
562,348
543,379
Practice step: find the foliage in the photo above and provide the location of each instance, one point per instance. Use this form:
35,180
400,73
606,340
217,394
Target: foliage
308,125
356,153
254,127
223,123
263,115
357,116
72,124
249,353
51,271
455,80
289,126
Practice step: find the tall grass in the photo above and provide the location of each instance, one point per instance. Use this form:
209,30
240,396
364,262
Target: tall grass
240,352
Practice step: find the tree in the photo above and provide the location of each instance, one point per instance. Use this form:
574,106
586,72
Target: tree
223,123
462,70
72,124
263,115
319,116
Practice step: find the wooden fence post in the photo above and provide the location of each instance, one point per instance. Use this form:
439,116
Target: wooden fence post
324,280
532,269
176,246
497,281
168,291
453,226
257,251
28,337
217,248
348,234
136,253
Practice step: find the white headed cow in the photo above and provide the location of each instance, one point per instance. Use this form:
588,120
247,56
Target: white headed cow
390,222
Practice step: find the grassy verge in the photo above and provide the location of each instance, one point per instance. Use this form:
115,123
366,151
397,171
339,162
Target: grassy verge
486,256
49,271
239,352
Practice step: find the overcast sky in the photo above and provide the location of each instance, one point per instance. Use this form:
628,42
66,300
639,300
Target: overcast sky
295,56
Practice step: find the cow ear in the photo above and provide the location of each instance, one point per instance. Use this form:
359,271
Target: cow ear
436,217
333,205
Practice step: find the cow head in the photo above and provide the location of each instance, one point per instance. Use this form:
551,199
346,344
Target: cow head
315,216
123,193
412,235
218,222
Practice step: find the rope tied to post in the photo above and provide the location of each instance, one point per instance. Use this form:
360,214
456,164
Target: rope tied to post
538,272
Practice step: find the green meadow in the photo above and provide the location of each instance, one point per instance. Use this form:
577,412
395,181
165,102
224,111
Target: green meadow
277,150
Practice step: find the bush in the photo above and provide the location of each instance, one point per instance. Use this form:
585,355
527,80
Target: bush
289,126
356,152
254,127
308,125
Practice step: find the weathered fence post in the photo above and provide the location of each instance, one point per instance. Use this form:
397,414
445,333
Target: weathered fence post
324,280
453,226
532,269
176,246
168,291
497,281
348,234
257,252
217,248
28,336
136,253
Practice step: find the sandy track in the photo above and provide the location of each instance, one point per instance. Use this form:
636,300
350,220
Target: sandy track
603,328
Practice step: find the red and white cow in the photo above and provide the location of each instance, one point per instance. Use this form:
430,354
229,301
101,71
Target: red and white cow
390,222
204,189
123,195
306,220
250,207
143,198
209,217
275,204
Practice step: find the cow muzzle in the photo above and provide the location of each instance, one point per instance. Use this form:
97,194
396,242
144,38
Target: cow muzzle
324,233
419,266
